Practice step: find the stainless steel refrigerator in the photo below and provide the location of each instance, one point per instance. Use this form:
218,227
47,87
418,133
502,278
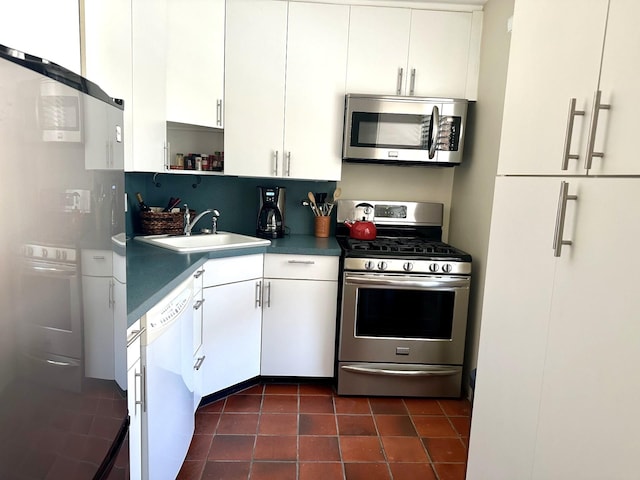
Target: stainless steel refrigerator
63,407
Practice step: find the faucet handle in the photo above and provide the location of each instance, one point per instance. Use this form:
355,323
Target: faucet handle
215,213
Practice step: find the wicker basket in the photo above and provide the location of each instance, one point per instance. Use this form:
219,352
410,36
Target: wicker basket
157,222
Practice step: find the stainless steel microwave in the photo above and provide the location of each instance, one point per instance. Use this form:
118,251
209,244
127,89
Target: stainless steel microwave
404,130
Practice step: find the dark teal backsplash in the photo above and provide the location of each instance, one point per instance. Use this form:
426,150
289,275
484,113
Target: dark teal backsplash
235,198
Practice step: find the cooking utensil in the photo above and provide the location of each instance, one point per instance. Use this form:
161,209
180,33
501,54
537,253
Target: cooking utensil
314,207
336,194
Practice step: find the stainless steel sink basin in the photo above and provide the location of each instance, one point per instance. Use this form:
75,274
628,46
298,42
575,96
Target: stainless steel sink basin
203,242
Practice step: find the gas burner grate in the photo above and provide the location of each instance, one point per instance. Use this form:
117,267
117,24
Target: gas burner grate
401,245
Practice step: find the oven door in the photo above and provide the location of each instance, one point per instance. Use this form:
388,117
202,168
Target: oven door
50,309
396,318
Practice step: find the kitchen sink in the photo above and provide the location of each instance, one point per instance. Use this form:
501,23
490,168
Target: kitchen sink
203,242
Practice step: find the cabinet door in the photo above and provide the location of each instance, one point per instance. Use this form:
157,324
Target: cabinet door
378,46
517,300
149,23
314,111
255,55
120,332
108,63
439,52
50,30
134,395
195,62
555,56
590,393
618,83
97,300
231,335
299,326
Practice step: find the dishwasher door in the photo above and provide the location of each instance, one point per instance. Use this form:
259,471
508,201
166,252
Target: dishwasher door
168,420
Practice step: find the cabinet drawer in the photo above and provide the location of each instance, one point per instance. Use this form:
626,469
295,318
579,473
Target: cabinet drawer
220,271
97,263
304,267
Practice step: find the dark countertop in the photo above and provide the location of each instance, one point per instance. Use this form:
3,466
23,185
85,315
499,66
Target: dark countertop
152,272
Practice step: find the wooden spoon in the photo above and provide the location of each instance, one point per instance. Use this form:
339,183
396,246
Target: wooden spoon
314,207
336,194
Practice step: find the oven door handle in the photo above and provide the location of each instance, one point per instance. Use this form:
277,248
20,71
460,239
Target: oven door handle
442,282
426,372
63,272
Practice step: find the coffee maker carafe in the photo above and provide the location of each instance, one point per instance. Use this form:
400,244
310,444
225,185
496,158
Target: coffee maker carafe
271,213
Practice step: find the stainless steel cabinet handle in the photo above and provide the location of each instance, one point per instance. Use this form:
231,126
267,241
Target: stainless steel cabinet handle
198,304
558,242
199,362
288,164
399,83
166,146
435,130
268,302
143,387
412,87
258,294
597,106
569,134
275,163
302,262
112,300
219,112
133,336
198,274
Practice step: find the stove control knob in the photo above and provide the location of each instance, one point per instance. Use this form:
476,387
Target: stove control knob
382,265
369,265
446,268
45,253
408,267
434,267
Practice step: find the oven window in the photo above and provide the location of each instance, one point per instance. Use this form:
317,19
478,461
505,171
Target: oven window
49,302
404,313
390,130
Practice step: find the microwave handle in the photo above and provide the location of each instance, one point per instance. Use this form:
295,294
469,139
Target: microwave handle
435,130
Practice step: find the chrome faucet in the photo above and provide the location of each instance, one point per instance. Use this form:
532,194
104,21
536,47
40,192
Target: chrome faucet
188,224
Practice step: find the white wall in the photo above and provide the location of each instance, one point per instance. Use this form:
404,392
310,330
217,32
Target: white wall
389,182
474,180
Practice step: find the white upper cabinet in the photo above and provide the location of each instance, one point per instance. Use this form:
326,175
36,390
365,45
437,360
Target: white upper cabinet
195,62
46,29
559,53
399,51
285,66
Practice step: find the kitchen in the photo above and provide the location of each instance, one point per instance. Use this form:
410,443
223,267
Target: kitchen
466,191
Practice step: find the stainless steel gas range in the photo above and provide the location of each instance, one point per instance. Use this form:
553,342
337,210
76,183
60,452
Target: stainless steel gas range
404,301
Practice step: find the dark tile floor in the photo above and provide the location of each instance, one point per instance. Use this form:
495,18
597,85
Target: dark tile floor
308,432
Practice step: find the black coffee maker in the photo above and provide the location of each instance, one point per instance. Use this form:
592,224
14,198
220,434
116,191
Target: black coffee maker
271,213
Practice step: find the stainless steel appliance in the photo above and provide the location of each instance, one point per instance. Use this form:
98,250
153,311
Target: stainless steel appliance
404,130
57,200
404,304
271,212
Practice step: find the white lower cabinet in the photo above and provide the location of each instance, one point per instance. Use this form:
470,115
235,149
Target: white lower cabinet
198,352
232,321
299,315
135,400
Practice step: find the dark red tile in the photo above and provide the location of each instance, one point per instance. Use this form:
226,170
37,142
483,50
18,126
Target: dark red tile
361,449
238,423
226,471
356,425
450,471
316,404
281,389
105,427
389,406
206,423
199,447
280,403
456,407
312,389
232,447
321,471
445,449
423,406
81,423
273,471
317,424
352,405
434,426
254,390
214,407
278,424
191,470
318,449
412,471
243,403
404,449
462,425
366,471
274,447
395,425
